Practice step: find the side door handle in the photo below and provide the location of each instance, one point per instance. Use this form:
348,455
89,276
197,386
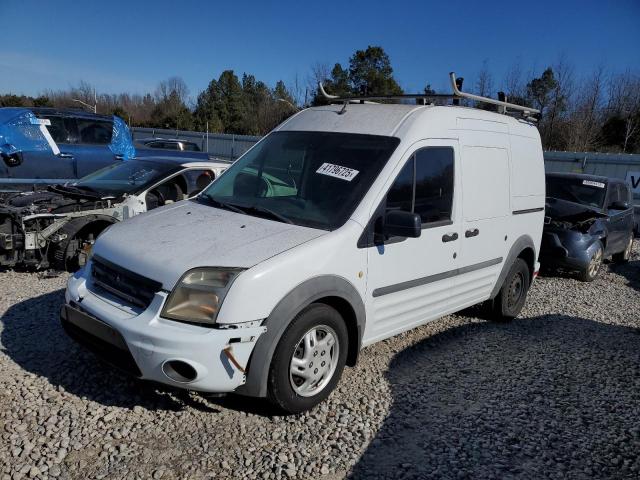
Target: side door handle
472,233
64,155
119,156
450,237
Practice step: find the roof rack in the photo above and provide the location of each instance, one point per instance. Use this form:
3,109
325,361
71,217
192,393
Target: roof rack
456,84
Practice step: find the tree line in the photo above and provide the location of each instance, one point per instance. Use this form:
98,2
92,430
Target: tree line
596,112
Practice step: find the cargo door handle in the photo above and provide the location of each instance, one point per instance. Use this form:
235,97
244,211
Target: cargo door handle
449,237
119,156
472,233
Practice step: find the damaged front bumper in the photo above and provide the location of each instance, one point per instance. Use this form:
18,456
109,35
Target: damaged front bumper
153,348
566,249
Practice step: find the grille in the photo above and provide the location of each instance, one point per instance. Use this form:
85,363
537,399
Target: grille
130,287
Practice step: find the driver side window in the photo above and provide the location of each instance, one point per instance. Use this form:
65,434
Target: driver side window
425,186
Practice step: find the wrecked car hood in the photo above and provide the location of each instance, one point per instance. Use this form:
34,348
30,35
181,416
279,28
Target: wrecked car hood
164,243
566,211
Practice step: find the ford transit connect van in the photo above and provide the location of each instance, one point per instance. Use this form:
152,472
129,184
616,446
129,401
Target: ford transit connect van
346,225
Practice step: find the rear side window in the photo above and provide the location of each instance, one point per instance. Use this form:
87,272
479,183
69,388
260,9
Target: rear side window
58,130
96,132
190,147
425,185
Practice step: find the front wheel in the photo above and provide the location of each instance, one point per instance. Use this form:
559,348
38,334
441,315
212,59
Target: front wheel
511,297
590,273
308,360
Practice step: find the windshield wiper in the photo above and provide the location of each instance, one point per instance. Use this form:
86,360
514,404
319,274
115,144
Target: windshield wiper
224,205
74,190
245,209
271,213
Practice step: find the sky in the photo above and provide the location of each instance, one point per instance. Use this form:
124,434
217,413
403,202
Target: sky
132,45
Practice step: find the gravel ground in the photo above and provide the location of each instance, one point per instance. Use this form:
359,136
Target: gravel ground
554,394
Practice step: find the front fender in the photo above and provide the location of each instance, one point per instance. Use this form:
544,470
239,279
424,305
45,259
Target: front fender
284,312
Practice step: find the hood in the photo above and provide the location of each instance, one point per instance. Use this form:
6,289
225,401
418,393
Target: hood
163,244
567,211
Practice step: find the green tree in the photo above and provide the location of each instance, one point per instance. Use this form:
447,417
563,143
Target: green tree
370,73
11,100
42,101
539,90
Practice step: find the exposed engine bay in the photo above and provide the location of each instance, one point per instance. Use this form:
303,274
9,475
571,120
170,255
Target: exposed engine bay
57,227
565,215
53,228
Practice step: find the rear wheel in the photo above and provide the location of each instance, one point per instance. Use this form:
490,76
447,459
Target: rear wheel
510,300
625,255
590,273
308,360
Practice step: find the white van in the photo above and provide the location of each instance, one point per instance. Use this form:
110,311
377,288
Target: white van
346,225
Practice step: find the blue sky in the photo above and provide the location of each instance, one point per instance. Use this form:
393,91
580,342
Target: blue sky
131,45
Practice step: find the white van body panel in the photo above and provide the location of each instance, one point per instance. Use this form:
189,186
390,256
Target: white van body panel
498,191
193,235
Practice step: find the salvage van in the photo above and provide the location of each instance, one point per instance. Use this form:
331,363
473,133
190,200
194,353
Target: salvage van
346,225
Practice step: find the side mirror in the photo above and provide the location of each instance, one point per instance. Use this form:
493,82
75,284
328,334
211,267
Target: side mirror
398,223
619,205
12,160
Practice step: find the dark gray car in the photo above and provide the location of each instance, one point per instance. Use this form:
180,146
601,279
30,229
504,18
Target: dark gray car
588,218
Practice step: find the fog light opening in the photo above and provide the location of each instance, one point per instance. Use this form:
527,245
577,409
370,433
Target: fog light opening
179,371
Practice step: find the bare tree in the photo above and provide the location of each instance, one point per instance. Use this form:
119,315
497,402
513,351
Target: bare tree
173,86
586,118
560,99
624,103
513,85
484,83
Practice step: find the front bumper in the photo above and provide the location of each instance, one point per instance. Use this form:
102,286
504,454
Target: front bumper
143,344
566,249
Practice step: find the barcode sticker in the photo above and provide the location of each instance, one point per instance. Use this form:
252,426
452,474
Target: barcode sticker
337,171
593,184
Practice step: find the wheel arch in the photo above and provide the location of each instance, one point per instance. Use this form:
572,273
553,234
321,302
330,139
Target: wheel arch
75,227
523,248
331,290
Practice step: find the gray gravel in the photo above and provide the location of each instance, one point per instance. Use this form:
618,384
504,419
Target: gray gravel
554,394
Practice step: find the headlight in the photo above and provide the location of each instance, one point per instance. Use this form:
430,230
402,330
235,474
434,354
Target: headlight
199,294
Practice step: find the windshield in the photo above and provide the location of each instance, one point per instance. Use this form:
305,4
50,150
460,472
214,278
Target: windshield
125,177
577,190
313,179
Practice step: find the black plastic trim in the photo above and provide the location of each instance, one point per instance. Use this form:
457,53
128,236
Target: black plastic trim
527,210
98,337
398,287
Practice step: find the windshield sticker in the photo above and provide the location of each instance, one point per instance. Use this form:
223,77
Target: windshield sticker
593,184
337,171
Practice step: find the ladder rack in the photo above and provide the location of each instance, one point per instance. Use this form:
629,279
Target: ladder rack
527,112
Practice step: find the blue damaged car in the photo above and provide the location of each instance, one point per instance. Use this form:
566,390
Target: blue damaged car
45,146
587,218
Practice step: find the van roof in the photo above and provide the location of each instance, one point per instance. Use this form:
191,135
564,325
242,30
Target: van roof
376,119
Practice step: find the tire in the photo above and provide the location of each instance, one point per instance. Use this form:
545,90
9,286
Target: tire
291,392
625,255
513,293
590,273
65,255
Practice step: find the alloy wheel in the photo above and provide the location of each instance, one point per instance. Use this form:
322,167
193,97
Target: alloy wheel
594,264
314,361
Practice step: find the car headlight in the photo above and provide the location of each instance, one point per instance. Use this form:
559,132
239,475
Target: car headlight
199,294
